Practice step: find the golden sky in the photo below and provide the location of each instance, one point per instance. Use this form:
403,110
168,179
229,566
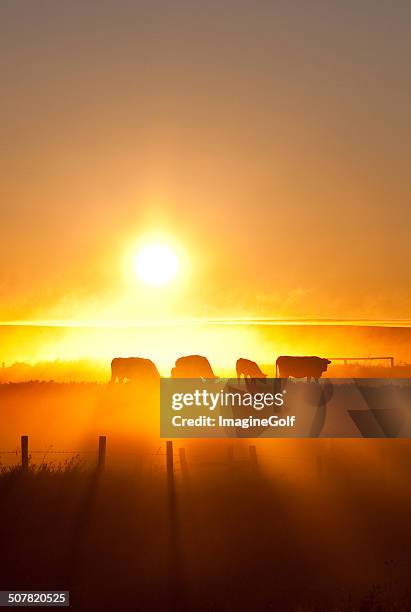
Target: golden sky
269,142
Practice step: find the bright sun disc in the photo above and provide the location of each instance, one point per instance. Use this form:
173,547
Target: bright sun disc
156,264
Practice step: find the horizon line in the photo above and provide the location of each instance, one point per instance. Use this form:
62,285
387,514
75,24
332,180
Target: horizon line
216,321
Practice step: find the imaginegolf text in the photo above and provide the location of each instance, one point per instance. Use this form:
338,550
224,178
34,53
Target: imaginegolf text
207,399
244,423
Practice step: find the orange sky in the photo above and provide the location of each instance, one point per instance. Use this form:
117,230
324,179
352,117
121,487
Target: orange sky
269,141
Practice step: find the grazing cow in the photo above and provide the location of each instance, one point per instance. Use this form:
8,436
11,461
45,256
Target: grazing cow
301,367
133,368
248,369
192,366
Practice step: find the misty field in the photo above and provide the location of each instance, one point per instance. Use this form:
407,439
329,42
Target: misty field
223,539
312,525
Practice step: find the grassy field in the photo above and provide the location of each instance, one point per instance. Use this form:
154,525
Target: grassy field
220,540
316,525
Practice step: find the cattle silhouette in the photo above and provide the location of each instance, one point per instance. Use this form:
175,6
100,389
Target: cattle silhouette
301,367
248,369
192,366
133,368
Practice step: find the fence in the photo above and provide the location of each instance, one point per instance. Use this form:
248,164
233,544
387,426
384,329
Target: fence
345,360
252,460
25,453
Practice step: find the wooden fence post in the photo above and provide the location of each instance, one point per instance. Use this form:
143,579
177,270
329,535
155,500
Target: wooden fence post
253,458
183,464
25,452
102,443
170,461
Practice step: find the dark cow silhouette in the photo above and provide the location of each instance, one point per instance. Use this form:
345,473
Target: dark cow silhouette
133,368
192,366
248,369
301,367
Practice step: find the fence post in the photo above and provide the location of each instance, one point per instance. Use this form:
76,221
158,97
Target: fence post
183,464
253,458
102,443
25,452
170,462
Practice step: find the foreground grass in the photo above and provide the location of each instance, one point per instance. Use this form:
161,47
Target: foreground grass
225,540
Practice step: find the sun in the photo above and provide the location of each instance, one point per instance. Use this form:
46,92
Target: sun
156,264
